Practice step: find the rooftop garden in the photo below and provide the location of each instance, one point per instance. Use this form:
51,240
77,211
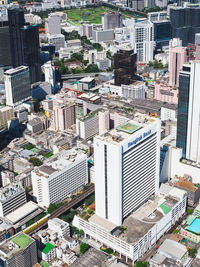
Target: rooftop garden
22,241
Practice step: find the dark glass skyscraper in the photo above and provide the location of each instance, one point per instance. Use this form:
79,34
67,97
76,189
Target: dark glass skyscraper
162,33
5,52
32,51
125,65
185,23
24,43
183,106
16,22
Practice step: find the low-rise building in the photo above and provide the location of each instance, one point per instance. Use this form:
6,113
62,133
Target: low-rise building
172,252
35,125
86,83
135,90
58,40
48,253
7,178
99,36
193,190
143,227
59,226
72,43
190,228
166,93
93,55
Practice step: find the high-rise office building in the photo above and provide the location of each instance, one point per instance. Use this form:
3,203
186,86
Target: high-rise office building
136,4
125,65
177,57
19,251
16,21
52,24
64,115
11,197
185,23
142,40
31,48
188,118
17,85
112,20
24,43
49,73
162,34
5,51
126,167
63,174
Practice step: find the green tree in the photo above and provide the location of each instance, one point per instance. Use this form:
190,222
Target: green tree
189,211
35,161
89,200
92,68
97,46
84,247
141,264
52,207
192,252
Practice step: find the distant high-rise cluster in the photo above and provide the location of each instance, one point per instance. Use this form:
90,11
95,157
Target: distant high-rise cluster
185,23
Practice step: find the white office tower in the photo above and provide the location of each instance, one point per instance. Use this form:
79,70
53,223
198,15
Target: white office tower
52,24
12,197
142,40
188,133
49,73
126,167
17,85
61,175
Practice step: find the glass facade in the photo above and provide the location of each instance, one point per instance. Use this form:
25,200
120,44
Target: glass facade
185,23
183,105
31,46
16,21
125,65
162,31
5,53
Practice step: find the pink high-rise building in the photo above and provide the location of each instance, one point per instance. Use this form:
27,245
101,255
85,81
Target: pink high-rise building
104,121
64,116
166,93
177,57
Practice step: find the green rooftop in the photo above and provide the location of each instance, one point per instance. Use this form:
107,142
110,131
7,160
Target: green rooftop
165,208
22,241
48,247
44,264
128,128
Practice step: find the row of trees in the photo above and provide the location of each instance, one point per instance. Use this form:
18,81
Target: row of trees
157,64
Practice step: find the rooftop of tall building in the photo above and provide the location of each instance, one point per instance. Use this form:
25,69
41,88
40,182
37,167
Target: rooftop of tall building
9,191
15,244
123,131
59,162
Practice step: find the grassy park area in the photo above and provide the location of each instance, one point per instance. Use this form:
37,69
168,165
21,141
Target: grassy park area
91,15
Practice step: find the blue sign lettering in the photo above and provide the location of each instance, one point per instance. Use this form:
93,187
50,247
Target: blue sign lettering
134,142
